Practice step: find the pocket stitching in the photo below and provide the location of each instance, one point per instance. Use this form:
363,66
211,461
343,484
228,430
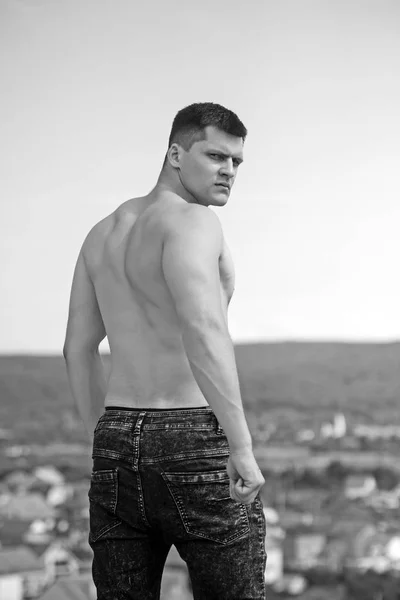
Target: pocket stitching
106,475
103,475
184,516
106,529
194,478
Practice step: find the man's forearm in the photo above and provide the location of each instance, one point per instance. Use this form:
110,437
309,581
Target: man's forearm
212,360
88,385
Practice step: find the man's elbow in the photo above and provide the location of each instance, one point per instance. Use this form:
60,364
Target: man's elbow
75,348
66,347
68,352
205,324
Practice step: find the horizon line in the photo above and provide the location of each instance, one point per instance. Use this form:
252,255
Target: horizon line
245,342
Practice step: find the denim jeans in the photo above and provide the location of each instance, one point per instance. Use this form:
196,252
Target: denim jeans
159,478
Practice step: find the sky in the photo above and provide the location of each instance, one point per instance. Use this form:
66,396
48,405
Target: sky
88,92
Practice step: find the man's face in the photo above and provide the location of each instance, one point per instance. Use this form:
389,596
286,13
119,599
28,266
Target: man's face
208,170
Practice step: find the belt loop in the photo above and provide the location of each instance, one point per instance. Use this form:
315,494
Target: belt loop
138,424
136,440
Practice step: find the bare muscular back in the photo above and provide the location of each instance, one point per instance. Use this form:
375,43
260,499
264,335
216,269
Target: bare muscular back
123,253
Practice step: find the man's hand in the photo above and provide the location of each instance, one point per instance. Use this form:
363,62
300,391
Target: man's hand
245,475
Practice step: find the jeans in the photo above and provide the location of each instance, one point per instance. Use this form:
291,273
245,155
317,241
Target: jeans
159,478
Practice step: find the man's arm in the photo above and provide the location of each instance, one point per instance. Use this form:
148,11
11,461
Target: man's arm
190,264
85,331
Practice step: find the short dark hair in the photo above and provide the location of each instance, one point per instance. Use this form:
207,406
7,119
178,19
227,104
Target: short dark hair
189,123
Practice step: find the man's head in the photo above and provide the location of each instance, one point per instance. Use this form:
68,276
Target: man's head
205,149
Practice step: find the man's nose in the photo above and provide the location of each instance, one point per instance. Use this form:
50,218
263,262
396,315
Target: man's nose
227,168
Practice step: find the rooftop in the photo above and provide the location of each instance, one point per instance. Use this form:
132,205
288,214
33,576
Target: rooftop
17,560
69,589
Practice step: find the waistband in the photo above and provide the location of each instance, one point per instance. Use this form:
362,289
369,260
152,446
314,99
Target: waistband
138,419
174,418
186,410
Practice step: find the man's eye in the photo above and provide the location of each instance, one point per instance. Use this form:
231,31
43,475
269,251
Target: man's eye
215,155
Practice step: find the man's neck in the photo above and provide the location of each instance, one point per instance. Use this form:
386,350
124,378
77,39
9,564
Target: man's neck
166,185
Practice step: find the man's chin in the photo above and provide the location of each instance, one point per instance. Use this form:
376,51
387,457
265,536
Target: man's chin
219,200
213,200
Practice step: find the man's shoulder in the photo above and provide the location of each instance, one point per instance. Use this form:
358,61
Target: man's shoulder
195,231
97,234
101,226
191,216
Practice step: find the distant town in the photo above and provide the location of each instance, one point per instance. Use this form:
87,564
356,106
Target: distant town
331,502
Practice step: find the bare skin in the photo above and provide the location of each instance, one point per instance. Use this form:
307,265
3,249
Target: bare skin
150,368
156,277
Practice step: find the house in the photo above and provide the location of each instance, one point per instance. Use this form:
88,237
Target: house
40,532
360,540
78,503
273,546
26,507
59,494
271,515
379,564
12,532
84,555
373,553
292,518
393,549
21,573
347,542
307,499
302,548
78,587
376,431
346,515
5,434
3,489
49,475
384,500
359,486
59,561
309,546
277,457
291,583
274,567
333,557
19,480
381,552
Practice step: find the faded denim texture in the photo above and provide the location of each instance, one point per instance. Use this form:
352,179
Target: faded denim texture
159,478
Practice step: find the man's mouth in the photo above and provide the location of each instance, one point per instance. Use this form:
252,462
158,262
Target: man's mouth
224,185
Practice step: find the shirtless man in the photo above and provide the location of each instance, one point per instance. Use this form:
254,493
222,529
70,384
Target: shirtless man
172,452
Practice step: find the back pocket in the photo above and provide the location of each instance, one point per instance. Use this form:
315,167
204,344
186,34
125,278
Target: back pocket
103,496
205,506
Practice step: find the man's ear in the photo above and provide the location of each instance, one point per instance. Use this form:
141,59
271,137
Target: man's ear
174,155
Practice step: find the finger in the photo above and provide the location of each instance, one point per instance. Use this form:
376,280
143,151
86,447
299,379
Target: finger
243,494
246,501
238,497
232,490
242,488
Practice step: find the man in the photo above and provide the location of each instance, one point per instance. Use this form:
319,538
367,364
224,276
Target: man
172,453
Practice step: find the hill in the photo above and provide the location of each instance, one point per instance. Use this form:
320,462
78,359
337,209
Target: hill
358,378
286,380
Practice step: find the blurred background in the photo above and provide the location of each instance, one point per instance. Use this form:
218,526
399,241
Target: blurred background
88,92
